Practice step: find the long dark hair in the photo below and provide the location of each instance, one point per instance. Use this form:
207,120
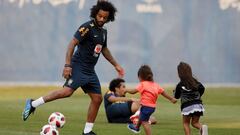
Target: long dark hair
145,73
186,77
105,6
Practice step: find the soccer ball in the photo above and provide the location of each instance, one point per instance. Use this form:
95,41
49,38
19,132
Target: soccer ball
56,119
49,130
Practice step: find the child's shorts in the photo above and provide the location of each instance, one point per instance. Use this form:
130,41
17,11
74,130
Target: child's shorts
146,112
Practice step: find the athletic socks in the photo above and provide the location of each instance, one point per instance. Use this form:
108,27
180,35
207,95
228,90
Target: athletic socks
204,130
137,112
37,102
88,127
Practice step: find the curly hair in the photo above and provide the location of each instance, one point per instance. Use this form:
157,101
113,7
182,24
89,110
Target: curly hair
115,83
145,73
105,6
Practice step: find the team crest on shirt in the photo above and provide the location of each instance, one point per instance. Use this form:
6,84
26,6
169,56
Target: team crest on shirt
97,50
83,31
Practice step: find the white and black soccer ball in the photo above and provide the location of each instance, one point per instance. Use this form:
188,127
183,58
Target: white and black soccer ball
57,119
49,130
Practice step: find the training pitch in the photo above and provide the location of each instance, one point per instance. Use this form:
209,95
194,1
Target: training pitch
222,107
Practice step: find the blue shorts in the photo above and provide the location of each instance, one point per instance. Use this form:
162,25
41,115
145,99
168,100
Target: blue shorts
88,81
119,112
146,112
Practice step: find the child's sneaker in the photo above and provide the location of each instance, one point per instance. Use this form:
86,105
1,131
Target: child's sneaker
134,119
133,128
204,130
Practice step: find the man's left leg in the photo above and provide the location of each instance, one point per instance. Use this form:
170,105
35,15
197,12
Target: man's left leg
96,100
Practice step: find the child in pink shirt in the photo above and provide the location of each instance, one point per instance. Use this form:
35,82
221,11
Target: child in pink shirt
149,91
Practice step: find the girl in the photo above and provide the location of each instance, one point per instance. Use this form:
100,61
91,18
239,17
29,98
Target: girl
149,91
190,91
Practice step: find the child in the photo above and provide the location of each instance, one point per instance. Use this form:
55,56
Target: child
190,92
149,91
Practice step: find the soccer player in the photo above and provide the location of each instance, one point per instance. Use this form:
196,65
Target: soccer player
190,90
90,40
118,107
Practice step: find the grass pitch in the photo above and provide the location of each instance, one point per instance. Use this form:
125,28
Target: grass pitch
222,113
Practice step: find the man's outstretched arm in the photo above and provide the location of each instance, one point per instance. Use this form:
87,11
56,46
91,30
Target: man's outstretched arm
107,54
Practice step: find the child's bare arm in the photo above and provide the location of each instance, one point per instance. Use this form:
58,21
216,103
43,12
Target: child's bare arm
172,99
131,91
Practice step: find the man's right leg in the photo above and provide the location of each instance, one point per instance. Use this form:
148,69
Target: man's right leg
32,104
62,93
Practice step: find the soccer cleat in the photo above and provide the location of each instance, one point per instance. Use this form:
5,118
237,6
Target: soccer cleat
204,130
28,109
90,133
133,128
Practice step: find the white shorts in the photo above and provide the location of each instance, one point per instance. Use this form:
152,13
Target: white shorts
192,109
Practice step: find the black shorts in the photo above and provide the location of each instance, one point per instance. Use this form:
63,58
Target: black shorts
196,114
88,81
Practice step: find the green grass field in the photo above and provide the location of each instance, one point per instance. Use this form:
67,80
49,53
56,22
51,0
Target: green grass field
222,113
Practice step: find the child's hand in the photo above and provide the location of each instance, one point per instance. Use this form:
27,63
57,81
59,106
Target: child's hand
131,91
173,91
174,100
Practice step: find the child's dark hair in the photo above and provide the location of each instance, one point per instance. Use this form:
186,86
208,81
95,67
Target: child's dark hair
145,73
105,6
186,77
115,83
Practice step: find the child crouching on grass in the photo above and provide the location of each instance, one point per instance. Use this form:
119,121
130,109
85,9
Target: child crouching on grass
190,90
149,91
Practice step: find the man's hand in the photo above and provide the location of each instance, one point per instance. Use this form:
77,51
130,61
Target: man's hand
107,54
120,71
67,72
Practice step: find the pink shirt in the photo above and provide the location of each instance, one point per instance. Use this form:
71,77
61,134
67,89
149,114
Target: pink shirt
149,92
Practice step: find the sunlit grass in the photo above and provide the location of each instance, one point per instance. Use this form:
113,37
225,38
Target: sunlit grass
222,113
